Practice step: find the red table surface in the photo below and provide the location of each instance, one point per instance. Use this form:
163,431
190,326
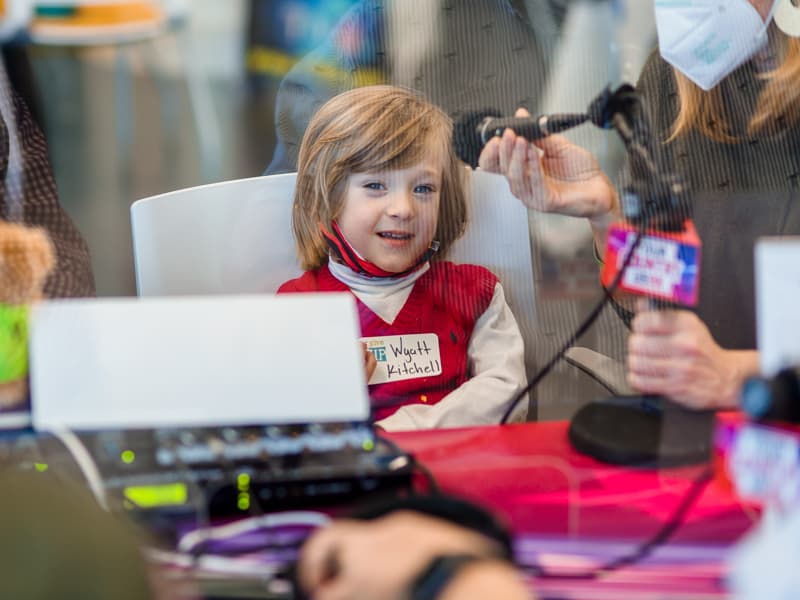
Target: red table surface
570,512
530,475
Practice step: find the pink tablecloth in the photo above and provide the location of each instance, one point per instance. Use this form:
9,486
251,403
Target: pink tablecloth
568,510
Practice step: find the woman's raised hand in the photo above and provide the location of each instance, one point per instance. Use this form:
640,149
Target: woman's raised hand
552,175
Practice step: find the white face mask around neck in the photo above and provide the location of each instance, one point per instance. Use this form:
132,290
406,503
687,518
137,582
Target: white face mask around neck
707,39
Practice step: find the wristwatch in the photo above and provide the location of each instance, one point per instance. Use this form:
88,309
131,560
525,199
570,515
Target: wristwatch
439,572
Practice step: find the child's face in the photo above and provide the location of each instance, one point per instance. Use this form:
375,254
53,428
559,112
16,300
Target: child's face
390,216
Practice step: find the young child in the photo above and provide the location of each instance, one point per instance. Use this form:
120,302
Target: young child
379,201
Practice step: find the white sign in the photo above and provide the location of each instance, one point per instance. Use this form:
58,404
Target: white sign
777,277
402,357
184,361
655,267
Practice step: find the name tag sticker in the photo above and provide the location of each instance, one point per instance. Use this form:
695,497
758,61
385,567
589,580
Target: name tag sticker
402,357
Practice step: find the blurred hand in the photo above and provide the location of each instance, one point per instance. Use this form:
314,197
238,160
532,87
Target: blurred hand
565,179
380,559
370,362
671,352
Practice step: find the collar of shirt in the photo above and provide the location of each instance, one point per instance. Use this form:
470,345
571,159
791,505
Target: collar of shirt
385,296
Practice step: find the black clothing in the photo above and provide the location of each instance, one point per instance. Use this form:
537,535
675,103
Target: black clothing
739,191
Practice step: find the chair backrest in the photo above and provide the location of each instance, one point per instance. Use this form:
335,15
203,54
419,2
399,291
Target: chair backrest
223,238
236,237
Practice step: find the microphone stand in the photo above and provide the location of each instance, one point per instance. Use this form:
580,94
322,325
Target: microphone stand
642,430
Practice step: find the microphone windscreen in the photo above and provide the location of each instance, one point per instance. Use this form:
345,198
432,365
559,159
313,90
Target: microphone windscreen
603,108
467,142
598,110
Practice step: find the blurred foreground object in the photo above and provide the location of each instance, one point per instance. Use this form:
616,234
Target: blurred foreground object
68,22
764,564
57,543
26,258
761,462
84,20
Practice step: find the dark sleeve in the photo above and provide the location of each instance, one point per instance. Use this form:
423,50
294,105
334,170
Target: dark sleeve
659,92
72,275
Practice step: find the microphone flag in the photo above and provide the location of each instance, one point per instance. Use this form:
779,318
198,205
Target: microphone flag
665,265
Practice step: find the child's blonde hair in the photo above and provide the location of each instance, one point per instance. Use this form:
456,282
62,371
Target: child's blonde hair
368,129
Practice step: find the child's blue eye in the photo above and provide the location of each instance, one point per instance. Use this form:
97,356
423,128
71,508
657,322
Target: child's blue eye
373,185
424,189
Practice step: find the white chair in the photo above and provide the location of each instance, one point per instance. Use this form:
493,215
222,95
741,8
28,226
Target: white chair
236,237
222,238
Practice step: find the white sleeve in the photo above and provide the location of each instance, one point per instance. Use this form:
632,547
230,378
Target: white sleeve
496,356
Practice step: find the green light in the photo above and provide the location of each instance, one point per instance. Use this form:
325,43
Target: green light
41,467
243,502
243,482
149,496
128,456
368,445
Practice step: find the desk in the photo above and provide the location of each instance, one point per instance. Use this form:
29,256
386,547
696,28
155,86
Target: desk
568,510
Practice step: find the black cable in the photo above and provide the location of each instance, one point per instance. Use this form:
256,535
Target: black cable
433,485
643,161
590,373
582,328
661,536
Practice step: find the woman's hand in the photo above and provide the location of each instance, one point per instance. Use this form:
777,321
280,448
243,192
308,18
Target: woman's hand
564,179
380,559
672,353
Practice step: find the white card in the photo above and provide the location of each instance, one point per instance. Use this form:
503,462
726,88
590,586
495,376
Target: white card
183,361
402,357
777,280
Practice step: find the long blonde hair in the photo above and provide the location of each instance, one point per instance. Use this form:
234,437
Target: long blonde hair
367,129
705,111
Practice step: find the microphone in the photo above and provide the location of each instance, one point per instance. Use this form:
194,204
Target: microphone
608,104
773,399
475,128
666,263
646,430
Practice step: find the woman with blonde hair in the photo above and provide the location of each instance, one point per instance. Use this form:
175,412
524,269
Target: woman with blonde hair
723,93
379,201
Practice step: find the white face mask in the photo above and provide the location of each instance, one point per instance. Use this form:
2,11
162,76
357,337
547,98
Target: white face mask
707,39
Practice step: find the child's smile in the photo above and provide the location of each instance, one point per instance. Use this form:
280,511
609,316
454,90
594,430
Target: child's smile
389,217
396,239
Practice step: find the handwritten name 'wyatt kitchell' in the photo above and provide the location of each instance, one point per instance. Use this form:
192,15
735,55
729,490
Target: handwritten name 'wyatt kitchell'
419,349
415,360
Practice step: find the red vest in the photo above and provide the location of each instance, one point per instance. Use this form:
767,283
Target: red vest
446,300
